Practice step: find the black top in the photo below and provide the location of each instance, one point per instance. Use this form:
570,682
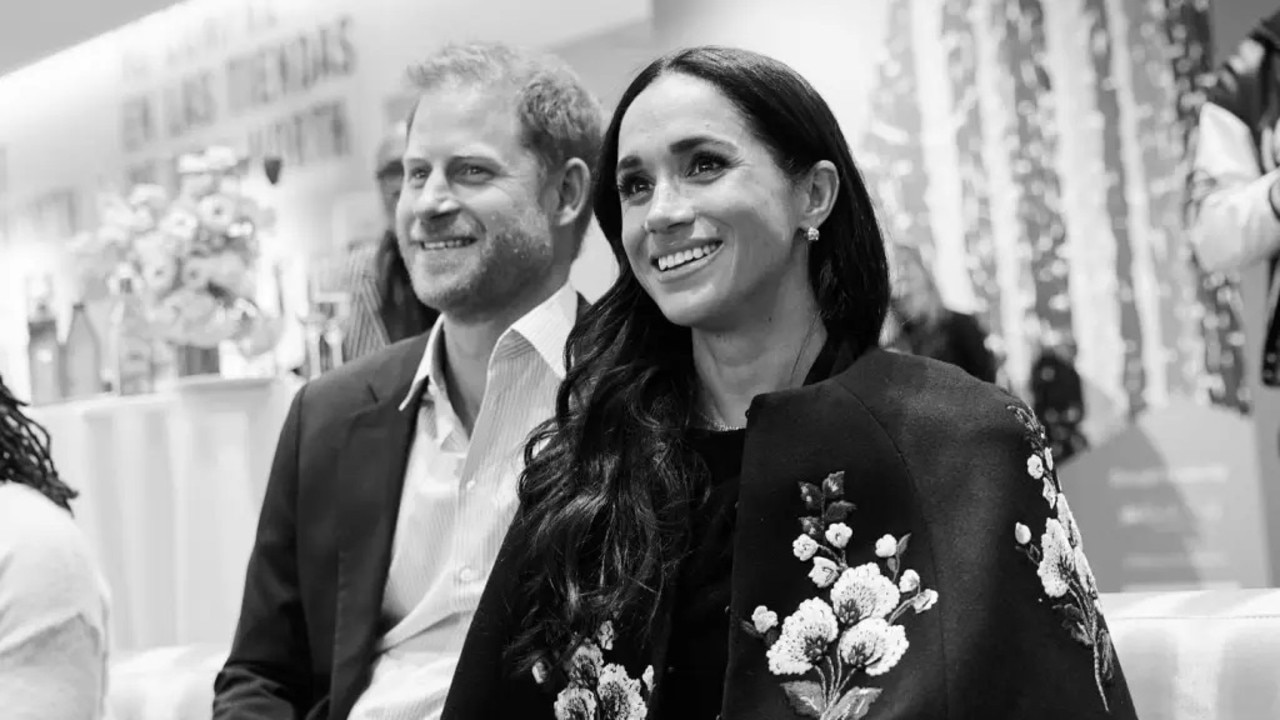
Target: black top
699,648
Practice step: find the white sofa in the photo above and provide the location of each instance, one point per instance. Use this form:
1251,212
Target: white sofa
1211,655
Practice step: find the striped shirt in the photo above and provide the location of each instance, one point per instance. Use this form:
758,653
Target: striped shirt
363,332
459,498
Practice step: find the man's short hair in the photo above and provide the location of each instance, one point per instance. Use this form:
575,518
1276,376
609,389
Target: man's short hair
559,118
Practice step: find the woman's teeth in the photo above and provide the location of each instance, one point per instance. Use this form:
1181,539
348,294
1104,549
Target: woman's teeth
684,257
447,244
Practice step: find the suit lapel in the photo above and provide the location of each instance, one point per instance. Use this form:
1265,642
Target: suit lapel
370,482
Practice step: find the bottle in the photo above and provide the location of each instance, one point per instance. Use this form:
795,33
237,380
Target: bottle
43,354
134,371
81,356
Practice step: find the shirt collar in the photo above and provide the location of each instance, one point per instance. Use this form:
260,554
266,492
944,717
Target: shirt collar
546,328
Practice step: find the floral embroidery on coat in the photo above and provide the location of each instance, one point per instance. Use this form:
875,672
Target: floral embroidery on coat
850,630
596,690
1060,560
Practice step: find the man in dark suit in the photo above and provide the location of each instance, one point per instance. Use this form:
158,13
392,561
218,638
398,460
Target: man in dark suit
395,476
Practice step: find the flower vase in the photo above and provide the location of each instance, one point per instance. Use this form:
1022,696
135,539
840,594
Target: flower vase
191,361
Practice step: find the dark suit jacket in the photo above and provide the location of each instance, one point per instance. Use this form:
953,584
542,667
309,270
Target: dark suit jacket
927,451
304,646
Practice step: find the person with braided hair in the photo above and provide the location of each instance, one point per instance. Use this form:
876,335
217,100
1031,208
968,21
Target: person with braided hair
54,603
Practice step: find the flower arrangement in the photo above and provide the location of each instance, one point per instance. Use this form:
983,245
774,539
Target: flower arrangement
851,628
595,690
192,257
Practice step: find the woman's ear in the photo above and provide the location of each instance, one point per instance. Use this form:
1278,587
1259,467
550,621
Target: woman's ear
817,194
571,192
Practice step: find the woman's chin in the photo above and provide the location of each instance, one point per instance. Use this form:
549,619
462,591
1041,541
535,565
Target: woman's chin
693,313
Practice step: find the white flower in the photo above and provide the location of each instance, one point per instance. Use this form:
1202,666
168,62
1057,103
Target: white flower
585,665
925,600
217,212
619,695
1022,534
862,593
540,672
873,645
1058,562
182,224
838,534
804,639
1048,458
648,678
824,572
220,158
886,547
1035,467
575,703
804,548
1050,491
1068,521
606,635
764,619
909,581
1085,573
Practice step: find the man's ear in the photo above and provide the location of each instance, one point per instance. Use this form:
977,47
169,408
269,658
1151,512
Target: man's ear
573,184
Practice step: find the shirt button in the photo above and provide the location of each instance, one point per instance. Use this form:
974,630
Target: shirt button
471,485
466,575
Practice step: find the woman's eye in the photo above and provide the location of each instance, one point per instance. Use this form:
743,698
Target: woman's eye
705,163
632,186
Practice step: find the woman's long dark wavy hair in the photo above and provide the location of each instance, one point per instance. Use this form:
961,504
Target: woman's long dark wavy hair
24,452
609,480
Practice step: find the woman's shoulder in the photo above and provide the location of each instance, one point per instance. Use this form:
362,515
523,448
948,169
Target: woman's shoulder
47,568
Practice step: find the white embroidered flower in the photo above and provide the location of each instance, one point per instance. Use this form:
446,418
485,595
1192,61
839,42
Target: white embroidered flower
575,703
1048,458
1058,562
1035,467
824,572
873,645
805,636
619,695
764,619
887,546
540,672
1085,573
585,665
838,534
606,635
804,548
1068,521
925,600
909,581
648,678
1022,534
1050,491
863,593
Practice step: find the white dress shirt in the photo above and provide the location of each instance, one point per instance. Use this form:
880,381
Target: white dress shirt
1235,226
459,498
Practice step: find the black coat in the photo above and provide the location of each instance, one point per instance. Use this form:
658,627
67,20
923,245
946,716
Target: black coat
925,451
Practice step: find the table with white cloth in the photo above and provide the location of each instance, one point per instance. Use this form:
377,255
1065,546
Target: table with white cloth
170,485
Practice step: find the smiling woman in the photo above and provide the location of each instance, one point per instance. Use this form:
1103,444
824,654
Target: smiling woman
725,414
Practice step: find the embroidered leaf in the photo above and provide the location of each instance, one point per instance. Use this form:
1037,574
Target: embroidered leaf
902,544
893,566
749,628
838,511
854,705
1072,613
812,527
812,497
833,486
806,697
772,636
1107,654
1077,632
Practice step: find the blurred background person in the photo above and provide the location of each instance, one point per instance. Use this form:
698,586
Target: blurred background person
1235,175
922,325
53,600
1057,398
384,308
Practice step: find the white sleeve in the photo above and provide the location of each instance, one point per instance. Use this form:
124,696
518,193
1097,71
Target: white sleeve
1235,225
53,616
